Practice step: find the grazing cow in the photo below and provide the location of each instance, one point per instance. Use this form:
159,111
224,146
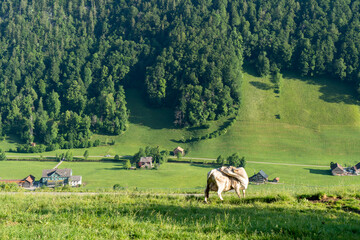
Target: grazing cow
226,178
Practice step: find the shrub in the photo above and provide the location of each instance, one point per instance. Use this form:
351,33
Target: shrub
2,155
117,187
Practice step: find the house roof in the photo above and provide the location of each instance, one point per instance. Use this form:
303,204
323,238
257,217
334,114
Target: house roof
179,149
29,179
146,159
262,173
75,178
12,180
66,172
335,165
357,166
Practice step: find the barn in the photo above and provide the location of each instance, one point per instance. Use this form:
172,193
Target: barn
259,177
337,169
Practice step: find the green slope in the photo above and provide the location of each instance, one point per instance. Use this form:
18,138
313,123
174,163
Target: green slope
310,121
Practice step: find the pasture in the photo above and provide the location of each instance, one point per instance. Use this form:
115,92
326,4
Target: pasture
311,121
183,177
142,216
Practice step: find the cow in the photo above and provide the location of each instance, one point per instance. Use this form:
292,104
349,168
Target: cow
226,178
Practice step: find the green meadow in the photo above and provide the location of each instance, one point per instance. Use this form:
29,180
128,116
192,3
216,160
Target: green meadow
144,216
312,122
184,177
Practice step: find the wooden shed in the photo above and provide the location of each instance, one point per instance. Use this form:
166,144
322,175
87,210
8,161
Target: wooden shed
180,150
337,169
259,177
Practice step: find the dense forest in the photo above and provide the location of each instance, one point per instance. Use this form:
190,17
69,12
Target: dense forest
65,64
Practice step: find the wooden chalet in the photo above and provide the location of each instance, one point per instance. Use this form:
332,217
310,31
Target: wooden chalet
179,150
145,162
337,169
55,177
26,182
259,177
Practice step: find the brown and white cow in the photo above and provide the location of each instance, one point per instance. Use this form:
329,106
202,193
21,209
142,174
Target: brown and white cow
226,178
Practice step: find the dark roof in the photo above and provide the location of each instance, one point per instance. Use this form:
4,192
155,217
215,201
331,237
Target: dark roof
262,173
146,159
75,178
357,166
335,165
66,172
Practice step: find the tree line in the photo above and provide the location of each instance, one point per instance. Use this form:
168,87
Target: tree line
65,65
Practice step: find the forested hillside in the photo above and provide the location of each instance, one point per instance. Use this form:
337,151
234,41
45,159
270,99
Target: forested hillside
65,64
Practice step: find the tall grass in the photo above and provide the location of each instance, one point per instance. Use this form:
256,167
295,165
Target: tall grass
133,216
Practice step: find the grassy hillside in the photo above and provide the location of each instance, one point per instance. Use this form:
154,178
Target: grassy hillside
136,216
310,121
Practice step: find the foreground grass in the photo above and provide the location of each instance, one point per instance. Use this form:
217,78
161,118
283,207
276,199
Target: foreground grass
129,216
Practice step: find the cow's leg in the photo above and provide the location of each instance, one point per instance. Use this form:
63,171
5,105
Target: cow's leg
207,192
220,190
237,190
243,193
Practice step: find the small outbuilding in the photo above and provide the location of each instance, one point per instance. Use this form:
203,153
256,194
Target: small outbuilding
337,169
260,177
75,181
28,181
179,150
146,162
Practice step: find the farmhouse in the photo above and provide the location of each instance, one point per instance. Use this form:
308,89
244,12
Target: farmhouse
337,169
179,150
26,182
56,177
260,177
146,162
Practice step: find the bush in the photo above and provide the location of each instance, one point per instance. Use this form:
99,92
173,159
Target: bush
2,155
117,187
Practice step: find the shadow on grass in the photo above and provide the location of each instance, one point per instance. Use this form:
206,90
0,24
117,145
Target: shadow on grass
142,114
261,85
332,91
319,171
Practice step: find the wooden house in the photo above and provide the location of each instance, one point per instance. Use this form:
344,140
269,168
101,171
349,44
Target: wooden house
145,162
55,177
179,150
75,181
26,182
259,177
337,169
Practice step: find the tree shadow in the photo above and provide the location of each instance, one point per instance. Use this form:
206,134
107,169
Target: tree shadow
319,171
332,91
261,85
142,114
